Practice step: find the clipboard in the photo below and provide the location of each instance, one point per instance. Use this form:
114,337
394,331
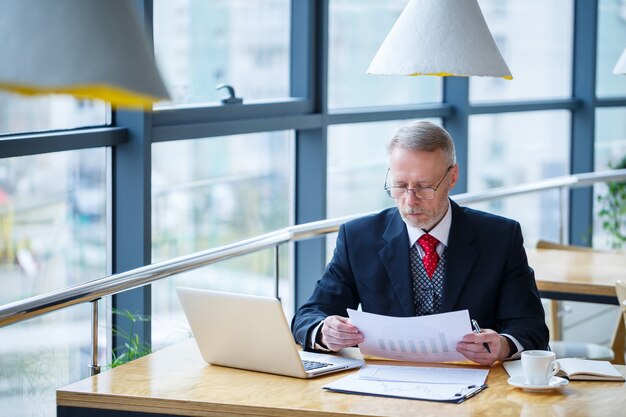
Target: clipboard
453,385
449,393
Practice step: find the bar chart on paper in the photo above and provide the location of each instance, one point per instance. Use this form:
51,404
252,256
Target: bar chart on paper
425,346
422,339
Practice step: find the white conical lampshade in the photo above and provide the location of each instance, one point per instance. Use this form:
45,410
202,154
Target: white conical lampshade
440,37
87,48
620,67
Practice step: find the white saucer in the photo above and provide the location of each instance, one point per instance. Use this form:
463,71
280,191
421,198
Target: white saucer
520,382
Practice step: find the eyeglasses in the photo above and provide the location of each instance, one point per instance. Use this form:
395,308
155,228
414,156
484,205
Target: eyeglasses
424,193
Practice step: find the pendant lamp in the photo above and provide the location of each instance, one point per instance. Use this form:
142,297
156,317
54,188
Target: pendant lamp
440,37
87,48
620,67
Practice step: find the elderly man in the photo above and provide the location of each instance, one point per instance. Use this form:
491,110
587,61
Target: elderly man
428,255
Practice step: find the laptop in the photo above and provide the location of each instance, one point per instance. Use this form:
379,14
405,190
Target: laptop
251,332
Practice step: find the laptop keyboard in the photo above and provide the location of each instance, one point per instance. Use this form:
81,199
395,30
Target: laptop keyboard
310,365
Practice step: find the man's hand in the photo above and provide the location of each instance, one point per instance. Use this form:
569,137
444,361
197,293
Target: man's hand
338,333
472,347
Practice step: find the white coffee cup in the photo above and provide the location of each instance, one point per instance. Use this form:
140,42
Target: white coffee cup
539,366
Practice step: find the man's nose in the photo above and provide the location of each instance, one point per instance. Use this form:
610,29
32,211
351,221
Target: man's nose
410,197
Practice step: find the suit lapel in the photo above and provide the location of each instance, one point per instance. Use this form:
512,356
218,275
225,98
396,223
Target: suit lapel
395,258
461,257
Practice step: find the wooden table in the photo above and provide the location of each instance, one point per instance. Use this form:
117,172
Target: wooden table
581,276
577,276
176,381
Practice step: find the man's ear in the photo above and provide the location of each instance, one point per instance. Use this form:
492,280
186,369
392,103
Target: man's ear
454,175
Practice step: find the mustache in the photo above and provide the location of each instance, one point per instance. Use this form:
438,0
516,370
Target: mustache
412,210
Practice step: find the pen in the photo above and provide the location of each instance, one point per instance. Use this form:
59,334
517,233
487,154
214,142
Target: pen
477,331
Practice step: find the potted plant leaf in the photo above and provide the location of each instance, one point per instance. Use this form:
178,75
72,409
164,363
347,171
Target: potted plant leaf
613,209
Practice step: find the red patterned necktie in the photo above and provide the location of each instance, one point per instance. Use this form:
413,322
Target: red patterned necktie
431,257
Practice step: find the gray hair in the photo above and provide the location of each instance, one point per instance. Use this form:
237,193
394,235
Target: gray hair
423,136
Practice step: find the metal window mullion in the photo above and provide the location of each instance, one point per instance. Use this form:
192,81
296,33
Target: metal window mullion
456,95
234,127
583,118
524,106
131,209
250,109
309,67
60,141
131,234
388,113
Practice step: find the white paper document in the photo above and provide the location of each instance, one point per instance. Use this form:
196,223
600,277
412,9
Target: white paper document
426,375
419,383
430,338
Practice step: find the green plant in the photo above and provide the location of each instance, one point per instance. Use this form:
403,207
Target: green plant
613,209
133,348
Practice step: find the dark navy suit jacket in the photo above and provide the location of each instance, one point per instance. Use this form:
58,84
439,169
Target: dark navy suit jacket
487,273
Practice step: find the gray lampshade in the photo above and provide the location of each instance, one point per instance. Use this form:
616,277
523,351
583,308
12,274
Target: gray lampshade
87,48
440,37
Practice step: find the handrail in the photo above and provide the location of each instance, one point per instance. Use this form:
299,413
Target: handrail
93,290
113,284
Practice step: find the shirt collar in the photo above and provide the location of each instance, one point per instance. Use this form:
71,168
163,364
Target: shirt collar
441,231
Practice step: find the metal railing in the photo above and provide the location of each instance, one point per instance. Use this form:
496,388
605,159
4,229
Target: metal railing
92,291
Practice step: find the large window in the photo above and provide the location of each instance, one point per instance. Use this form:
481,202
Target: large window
611,35
517,148
201,44
53,229
20,114
610,152
220,190
356,31
535,39
357,163
53,234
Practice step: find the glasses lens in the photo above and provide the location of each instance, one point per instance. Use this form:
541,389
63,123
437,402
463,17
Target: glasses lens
396,192
401,192
424,193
